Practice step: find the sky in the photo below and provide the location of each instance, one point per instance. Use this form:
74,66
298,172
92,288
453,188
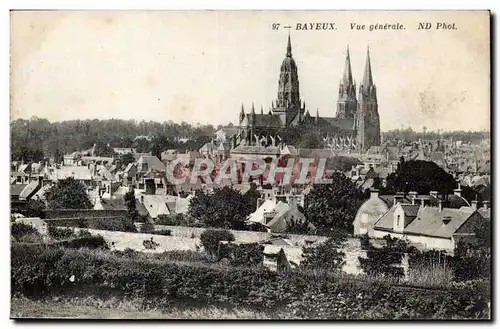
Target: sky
201,66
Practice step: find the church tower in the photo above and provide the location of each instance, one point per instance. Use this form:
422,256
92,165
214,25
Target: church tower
367,119
347,103
288,105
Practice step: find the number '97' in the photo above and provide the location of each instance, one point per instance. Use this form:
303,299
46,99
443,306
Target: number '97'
276,26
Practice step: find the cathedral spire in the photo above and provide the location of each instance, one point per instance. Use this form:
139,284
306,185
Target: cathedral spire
242,113
253,108
347,78
289,46
367,77
262,109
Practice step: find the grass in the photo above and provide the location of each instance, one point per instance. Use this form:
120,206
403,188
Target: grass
114,308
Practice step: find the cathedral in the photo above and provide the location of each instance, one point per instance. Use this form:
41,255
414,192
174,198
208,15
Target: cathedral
355,126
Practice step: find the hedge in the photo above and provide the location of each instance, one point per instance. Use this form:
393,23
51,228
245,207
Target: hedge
38,271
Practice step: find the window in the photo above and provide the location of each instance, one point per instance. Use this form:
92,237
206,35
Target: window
399,217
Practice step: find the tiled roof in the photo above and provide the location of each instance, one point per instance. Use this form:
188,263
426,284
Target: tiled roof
430,221
16,189
265,120
30,189
410,209
77,172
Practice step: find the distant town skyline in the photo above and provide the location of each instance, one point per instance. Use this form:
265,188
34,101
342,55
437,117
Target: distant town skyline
199,67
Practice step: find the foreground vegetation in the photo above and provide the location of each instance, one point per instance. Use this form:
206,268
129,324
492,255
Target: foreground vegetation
114,308
50,271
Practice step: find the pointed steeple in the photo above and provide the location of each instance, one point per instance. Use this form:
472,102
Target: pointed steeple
367,77
262,109
242,113
289,46
253,109
347,78
317,116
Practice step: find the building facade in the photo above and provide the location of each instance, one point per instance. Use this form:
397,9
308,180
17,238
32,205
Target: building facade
356,124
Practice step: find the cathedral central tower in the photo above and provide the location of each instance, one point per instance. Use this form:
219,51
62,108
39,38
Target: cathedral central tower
288,104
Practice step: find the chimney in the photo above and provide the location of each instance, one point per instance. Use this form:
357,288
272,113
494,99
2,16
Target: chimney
412,195
434,194
440,205
142,198
473,204
374,193
446,220
486,204
458,191
397,198
422,202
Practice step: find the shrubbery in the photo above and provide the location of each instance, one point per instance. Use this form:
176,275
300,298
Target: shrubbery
211,238
326,255
250,254
117,224
60,233
91,242
38,271
18,230
163,232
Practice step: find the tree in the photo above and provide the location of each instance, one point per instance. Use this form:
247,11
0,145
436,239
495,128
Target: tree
384,260
224,208
331,207
296,226
131,204
210,240
421,177
68,194
156,151
327,255
34,208
126,159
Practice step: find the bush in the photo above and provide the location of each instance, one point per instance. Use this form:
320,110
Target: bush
150,244
18,230
91,242
147,227
173,220
384,261
84,234
180,256
41,271
163,232
116,224
326,255
211,238
59,233
251,254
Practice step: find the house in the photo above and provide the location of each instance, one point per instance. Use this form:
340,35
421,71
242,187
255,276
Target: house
156,205
431,227
377,205
129,174
150,162
369,213
110,204
276,216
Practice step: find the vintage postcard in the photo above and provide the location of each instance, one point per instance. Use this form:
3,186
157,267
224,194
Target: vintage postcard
250,165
